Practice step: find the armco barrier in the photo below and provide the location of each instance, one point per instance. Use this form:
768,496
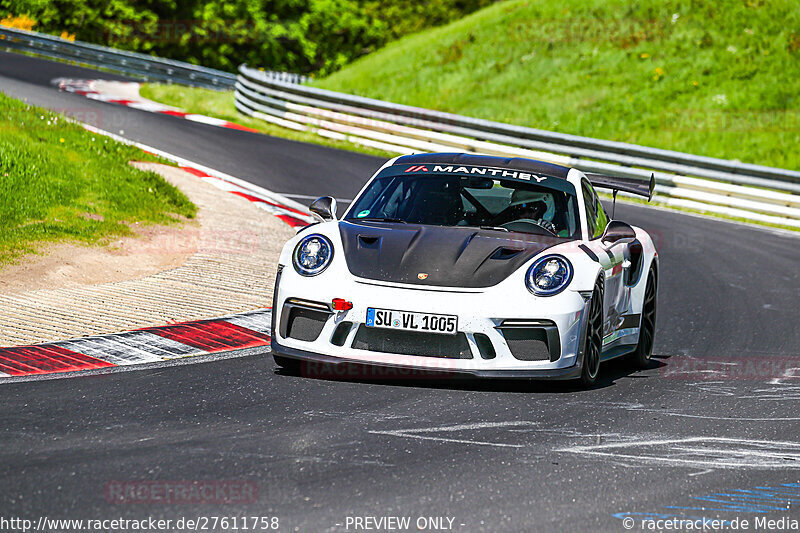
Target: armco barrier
141,66
731,188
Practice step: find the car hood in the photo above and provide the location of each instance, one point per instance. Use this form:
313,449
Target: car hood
436,255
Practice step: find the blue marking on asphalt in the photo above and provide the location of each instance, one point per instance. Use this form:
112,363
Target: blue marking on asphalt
759,501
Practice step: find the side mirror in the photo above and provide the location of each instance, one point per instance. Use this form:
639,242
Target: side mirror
618,231
324,208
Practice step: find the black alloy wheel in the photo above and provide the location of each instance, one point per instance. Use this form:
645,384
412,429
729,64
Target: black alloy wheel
640,358
593,341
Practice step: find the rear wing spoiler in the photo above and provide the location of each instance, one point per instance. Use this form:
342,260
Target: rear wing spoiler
630,185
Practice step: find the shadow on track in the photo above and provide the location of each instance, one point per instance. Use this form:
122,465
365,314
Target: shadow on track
610,372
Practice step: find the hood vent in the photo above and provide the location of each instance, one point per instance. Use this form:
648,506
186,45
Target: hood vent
506,253
369,241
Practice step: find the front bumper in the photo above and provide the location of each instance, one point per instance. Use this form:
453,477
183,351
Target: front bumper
327,366
482,315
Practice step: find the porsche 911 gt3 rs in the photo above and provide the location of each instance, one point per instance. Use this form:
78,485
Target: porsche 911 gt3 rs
474,265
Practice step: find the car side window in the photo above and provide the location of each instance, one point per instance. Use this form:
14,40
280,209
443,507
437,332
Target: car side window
590,202
596,217
601,221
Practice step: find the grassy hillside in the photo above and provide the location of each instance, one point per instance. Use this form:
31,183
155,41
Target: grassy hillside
712,77
61,182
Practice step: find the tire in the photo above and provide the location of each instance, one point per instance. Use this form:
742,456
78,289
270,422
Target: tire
290,366
593,340
640,358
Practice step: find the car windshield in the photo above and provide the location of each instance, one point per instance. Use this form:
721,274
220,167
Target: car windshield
452,200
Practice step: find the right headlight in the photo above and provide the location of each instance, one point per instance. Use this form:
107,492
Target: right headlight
312,255
549,275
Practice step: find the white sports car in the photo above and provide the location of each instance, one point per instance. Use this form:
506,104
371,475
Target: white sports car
469,265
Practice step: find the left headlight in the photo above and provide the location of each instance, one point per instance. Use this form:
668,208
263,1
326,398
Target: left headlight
549,275
312,255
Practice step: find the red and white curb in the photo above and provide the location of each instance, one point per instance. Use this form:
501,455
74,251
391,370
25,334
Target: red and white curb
126,93
294,217
99,90
140,347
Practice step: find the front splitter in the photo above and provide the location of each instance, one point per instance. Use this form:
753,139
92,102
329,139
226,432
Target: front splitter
312,364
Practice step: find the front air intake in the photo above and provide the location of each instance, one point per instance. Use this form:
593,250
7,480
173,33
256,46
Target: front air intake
303,319
532,340
340,333
412,343
485,346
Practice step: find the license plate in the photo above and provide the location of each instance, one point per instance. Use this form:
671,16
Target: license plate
408,321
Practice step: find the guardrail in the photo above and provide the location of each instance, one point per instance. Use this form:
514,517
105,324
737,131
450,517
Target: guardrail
136,65
755,192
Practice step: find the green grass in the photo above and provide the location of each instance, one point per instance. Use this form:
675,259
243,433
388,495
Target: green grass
219,104
714,77
60,182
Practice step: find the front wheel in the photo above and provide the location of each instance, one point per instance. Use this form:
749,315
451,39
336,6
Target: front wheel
640,358
593,341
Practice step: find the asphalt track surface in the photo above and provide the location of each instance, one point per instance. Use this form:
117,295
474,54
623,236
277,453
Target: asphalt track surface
717,412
